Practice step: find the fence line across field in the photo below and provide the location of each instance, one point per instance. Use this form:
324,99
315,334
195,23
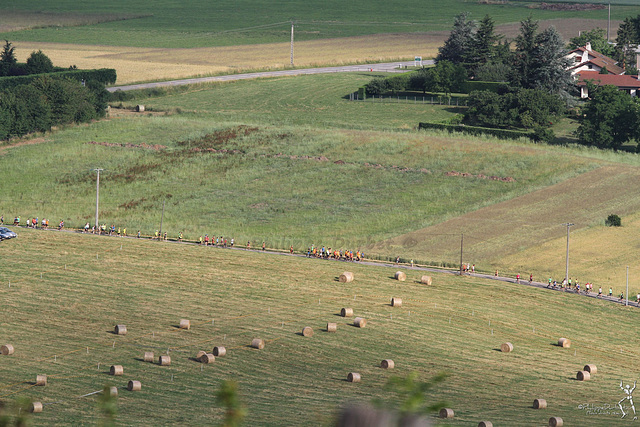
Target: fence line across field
431,100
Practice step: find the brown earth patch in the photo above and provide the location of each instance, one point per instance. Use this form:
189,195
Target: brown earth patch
155,147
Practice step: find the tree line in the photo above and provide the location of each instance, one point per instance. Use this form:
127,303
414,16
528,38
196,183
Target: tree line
45,101
537,87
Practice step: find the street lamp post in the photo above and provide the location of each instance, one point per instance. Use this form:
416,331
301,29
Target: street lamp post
98,170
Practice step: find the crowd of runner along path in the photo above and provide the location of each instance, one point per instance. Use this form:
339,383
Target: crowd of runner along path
312,252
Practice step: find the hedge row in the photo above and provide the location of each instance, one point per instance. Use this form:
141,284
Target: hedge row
104,75
473,130
471,85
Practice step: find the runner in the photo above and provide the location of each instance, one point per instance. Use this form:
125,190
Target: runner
610,292
530,278
599,291
518,278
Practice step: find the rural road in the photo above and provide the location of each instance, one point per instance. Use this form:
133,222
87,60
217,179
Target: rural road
388,67
524,281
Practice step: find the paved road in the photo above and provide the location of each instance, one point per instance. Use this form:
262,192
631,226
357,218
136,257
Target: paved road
389,67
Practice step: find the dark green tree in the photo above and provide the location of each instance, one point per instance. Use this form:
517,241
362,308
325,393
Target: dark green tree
483,44
7,101
34,110
523,60
550,68
39,63
421,80
598,39
626,42
611,118
493,72
7,58
456,48
447,77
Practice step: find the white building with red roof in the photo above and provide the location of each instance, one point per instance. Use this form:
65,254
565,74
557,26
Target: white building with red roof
587,66
586,59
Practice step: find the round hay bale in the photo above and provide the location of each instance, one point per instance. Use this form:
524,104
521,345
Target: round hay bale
346,277
140,108
583,376
6,349
346,312
134,386
360,322
120,330
592,369
506,347
116,370
207,358
219,351
332,327
307,331
148,356
200,354
539,404
485,424
400,276
387,364
426,280
353,377
396,302
555,422
113,391
446,413
35,407
41,380
185,324
164,360
564,342
257,343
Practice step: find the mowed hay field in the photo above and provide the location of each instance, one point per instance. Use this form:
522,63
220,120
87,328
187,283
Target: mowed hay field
68,291
136,64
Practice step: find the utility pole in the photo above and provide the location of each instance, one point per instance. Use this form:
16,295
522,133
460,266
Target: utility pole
627,294
292,43
461,246
567,272
609,23
97,194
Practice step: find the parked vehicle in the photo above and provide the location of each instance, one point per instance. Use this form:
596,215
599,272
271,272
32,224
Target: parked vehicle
5,233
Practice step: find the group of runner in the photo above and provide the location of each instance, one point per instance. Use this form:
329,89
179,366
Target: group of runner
328,253
33,222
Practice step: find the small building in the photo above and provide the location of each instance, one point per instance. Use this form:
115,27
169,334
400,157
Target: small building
627,83
586,59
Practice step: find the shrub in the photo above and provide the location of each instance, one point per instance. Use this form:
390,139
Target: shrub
613,220
541,134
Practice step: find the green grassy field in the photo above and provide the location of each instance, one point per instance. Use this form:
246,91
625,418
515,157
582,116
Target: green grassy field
68,291
200,24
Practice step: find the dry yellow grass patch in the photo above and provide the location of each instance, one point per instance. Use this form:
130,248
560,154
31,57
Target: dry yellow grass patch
599,255
145,64
526,234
